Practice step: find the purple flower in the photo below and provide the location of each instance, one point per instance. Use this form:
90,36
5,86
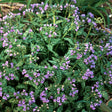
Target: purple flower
11,65
46,33
0,83
10,46
46,76
45,66
92,66
74,1
17,68
24,71
7,96
30,30
92,107
54,100
46,6
73,80
83,15
0,93
26,75
4,97
79,56
24,38
100,101
89,20
84,77
67,62
43,93
58,99
91,15
62,68
49,35
0,88
40,29
30,78
55,67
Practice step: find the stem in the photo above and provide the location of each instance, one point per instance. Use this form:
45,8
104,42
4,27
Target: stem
67,31
47,17
74,66
88,33
76,37
53,17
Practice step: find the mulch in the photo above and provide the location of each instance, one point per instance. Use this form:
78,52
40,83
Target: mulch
7,8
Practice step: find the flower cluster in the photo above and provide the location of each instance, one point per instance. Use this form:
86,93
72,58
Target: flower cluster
22,102
74,89
49,30
45,64
88,47
49,74
88,74
65,64
108,73
72,52
90,60
37,78
60,100
10,16
43,97
95,91
5,96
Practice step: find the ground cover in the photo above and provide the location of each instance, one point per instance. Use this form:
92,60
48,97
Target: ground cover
54,58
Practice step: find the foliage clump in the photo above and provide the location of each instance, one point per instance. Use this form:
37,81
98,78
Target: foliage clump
53,59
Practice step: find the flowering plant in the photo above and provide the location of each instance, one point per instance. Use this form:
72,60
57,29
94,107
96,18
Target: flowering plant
53,59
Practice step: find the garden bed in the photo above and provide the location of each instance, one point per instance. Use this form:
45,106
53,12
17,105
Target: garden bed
55,58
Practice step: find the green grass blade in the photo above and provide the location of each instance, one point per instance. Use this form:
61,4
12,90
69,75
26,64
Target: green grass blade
61,2
28,3
108,19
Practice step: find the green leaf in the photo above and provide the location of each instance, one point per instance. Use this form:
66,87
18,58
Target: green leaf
59,21
53,62
46,2
31,83
50,107
105,11
69,40
16,78
13,100
110,103
50,48
61,2
26,33
66,28
82,101
28,3
58,76
55,41
83,110
81,64
105,95
80,31
83,84
21,86
20,63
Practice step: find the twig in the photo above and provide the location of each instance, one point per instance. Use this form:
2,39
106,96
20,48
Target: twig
105,29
